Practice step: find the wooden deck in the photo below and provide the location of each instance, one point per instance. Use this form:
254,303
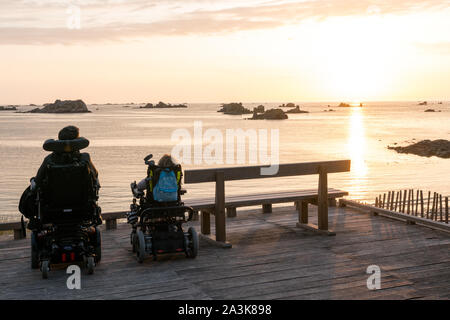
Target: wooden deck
270,259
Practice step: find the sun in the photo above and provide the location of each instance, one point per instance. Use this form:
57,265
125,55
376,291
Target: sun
355,62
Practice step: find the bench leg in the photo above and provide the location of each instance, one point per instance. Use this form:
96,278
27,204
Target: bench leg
322,200
195,216
18,234
267,208
111,224
231,212
302,208
332,202
205,222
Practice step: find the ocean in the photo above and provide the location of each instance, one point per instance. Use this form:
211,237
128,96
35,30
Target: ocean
122,135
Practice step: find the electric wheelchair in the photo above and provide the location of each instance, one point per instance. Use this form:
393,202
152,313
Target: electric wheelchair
64,226
157,225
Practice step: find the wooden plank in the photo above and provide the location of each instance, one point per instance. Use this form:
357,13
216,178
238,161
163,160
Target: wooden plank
230,202
265,263
404,201
6,226
267,208
254,172
302,208
323,199
446,209
219,210
231,212
405,217
205,222
111,224
421,204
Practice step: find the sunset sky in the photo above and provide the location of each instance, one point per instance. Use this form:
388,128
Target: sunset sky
222,51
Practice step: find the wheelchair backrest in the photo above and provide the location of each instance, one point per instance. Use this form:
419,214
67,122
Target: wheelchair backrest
158,191
68,191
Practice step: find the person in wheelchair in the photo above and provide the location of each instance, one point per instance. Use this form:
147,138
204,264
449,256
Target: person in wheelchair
155,196
61,205
59,155
157,219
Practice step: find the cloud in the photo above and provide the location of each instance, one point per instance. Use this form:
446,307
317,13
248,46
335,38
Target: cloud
39,22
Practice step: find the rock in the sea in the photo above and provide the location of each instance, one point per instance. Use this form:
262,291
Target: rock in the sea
344,105
162,105
259,109
272,114
427,148
8,108
296,110
234,108
288,105
423,103
432,110
65,106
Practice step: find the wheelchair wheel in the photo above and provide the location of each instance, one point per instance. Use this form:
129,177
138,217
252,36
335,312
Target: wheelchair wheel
98,246
45,268
192,248
133,240
90,264
34,251
140,249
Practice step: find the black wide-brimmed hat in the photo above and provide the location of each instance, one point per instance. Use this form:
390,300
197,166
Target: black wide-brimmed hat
69,133
69,140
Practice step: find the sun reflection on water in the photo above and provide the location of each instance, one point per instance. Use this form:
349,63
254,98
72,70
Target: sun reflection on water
357,145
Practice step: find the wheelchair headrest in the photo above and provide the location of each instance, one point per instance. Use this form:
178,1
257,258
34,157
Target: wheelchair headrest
66,145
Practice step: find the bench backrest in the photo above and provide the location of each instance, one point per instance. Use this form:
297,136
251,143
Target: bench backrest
254,172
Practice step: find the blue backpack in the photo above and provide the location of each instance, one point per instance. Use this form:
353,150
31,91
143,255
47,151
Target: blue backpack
166,189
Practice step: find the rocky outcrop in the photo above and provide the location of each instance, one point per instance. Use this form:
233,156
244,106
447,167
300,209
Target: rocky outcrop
259,109
296,110
344,105
272,114
427,148
234,108
432,110
8,108
64,106
423,103
162,105
288,105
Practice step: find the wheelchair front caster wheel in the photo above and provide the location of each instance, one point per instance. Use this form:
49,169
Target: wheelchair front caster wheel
45,268
140,250
90,264
192,247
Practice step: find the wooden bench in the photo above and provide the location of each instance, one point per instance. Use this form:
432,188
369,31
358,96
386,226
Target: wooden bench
321,197
15,226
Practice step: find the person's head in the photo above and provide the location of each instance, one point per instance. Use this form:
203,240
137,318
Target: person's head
166,161
69,133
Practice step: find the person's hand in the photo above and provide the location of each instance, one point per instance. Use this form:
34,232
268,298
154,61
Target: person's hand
32,184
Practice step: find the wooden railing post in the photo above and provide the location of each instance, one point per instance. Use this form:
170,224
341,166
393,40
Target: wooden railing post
322,200
446,209
220,207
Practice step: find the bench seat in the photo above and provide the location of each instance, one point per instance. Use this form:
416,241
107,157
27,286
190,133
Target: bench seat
263,198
